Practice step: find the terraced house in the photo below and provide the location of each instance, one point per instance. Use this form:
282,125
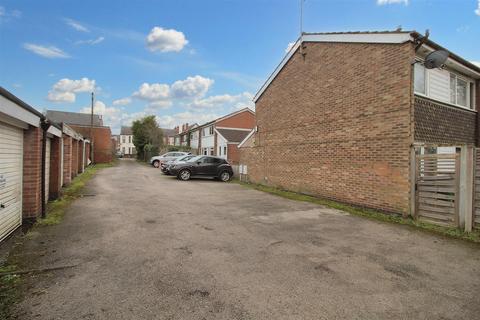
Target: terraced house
359,117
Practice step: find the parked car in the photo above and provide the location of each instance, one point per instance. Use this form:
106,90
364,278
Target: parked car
202,166
158,160
119,154
166,165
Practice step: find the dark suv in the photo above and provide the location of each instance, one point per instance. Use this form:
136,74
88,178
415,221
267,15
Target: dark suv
203,166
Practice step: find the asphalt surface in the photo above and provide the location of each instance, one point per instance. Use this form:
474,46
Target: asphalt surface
145,246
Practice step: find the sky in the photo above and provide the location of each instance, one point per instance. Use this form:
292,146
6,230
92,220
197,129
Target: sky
187,60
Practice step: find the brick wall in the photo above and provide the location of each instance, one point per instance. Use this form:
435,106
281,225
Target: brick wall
243,120
102,147
73,171
67,160
233,156
55,167
337,124
32,172
439,123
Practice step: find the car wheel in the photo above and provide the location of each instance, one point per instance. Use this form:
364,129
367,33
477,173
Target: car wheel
156,163
225,176
184,175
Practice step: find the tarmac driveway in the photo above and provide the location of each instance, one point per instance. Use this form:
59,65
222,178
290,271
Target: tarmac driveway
146,246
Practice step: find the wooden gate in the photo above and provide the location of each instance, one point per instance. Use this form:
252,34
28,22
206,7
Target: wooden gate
437,188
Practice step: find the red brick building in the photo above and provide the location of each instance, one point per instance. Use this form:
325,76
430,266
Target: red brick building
219,137
349,116
80,122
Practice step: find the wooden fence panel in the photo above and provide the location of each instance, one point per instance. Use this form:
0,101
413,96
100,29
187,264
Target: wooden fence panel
437,185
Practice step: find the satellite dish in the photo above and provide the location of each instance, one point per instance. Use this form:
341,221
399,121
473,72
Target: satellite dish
436,59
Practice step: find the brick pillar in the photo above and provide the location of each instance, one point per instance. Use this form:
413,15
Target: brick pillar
32,173
55,167
74,168
67,160
80,156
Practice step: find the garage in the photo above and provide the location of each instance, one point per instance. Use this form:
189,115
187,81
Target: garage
19,128
11,168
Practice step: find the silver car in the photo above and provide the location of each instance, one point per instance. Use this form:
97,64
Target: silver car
158,160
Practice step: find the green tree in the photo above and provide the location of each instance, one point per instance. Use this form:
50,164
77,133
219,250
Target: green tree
147,137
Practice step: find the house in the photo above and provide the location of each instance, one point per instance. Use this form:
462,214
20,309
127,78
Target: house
221,136
168,137
126,146
182,135
38,157
95,131
357,117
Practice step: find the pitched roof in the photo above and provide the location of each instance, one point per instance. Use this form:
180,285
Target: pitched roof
126,130
233,135
74,118
169,132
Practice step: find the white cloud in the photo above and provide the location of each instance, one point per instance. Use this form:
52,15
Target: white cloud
76,25
47,52
169,121
59,96
192,87
113,117
7,15
65,89
224,101
477,11
155,105
122,102
91,42
289,47
152,92
384,2
166,40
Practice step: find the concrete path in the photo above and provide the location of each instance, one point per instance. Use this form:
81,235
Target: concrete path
147,246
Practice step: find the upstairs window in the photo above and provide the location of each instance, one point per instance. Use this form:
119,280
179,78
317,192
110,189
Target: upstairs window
419,78
459,91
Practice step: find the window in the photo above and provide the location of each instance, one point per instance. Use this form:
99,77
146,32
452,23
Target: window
123,139
459,91
123,150
225,150
212,151
219,151
129,139
211,130
419,78
204,151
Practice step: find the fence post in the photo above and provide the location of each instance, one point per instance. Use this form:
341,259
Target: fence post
466,188
413,182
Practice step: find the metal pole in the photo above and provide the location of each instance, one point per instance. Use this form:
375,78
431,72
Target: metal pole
91,128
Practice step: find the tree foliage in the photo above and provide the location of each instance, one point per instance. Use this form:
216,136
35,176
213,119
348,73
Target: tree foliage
147,136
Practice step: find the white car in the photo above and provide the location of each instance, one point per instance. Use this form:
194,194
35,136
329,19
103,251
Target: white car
158,160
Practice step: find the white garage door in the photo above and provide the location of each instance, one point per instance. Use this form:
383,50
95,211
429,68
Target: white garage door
47,168
11,168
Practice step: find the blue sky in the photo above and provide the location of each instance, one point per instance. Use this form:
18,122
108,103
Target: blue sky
187,60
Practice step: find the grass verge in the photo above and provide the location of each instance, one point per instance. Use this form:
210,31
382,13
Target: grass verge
473,236
56,209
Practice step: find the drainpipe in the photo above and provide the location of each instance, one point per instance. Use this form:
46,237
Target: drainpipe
44,125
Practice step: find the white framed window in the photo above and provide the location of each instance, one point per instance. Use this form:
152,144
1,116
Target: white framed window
420,83
123,139
212,151
210,129
444,85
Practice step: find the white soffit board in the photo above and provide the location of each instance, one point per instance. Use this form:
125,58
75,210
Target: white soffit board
455,65
15,111
340,37
55,131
